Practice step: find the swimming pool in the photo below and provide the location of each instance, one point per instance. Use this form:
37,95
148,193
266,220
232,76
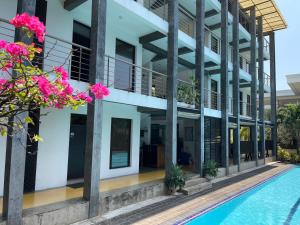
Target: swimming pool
274,202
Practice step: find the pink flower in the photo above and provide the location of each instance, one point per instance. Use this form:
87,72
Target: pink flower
45,86
99,90
16,49
61,71
2,44
2,83
32,23
84,96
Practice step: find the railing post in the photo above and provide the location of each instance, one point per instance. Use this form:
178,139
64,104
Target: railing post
95,110
224,85
253,83
200,35
16,146
172,64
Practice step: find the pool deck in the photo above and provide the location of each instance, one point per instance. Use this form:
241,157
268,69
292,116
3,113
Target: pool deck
203,202
174,209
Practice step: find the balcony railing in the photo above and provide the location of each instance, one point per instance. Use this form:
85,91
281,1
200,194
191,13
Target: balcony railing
187,21
245,109
244,64
212,99
266,45
267,80
74,58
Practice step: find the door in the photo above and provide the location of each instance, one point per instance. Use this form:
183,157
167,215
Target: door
77,146
81,56
124,69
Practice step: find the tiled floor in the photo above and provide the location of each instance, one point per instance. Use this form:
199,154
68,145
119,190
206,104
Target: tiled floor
46,197
189,208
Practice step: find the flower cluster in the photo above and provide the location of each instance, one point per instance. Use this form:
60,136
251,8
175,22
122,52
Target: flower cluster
32,23
30,87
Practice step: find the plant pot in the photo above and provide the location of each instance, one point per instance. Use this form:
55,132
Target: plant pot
171,191
210,178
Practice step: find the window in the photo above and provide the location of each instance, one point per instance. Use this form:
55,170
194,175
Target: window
124,68
120,143
241,104
248,105
80,55
214,44
214,94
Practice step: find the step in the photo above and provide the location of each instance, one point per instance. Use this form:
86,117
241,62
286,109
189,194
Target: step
196,188
195,181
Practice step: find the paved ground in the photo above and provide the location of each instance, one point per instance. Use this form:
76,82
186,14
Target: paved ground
171,209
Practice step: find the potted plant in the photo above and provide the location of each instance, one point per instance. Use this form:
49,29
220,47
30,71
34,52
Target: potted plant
175,180
211,169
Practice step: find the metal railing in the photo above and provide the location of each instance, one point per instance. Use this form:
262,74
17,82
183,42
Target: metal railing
267,79
266,45
187,22
244,64
212,99
56,52
126,76
245,109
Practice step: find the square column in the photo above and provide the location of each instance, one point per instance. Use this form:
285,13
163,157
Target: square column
200,35
95,109
273,91
224,85
236,82
261,79
253,82
16,146
171,136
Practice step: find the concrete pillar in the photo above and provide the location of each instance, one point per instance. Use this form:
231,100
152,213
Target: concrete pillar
94,116
224,86
171,136
16,146
236,82
253,83
200,35
273,91
261,79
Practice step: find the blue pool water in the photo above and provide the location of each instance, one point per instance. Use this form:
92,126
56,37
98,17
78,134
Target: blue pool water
276,202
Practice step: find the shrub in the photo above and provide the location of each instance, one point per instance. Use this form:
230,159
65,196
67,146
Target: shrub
211,168
176,179
293,157
283,155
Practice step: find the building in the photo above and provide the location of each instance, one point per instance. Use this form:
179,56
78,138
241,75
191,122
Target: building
184,78
290,96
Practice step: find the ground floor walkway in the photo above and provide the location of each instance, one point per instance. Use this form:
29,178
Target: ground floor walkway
172,209
41,198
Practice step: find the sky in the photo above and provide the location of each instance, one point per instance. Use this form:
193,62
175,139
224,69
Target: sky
288,42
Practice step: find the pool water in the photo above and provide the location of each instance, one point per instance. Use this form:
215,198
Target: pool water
275,202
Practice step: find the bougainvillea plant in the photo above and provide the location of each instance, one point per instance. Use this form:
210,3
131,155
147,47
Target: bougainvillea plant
24,87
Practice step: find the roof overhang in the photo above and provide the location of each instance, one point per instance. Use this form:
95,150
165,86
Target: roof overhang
293,81
272,17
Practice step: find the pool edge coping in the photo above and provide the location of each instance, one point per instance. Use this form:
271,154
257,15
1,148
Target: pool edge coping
227,199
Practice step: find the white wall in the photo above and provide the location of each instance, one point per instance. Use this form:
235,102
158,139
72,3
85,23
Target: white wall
114,110
52,157
2,162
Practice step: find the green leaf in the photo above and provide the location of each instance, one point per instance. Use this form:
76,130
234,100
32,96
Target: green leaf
37,138
28,120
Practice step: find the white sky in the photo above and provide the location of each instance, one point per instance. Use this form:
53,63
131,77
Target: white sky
288,42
